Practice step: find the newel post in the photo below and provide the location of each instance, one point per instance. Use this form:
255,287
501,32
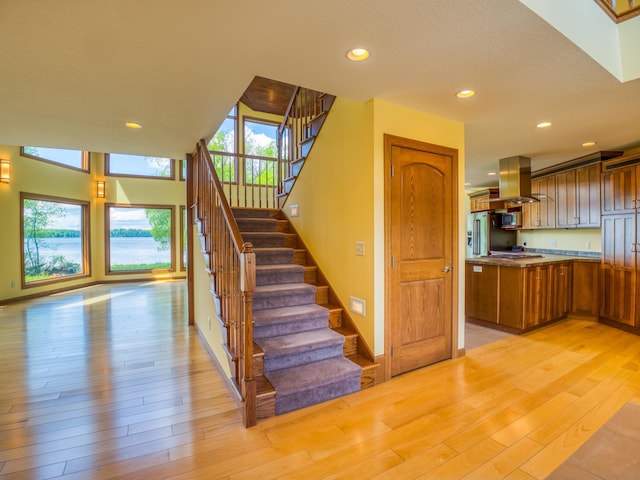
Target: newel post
248,286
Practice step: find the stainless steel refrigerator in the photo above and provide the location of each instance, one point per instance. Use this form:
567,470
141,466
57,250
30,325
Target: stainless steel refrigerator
484,234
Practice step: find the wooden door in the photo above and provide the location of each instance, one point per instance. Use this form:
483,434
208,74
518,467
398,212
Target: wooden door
421,252
618,274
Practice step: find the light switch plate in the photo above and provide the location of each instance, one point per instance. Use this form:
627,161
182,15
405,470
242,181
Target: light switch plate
360,248
295,211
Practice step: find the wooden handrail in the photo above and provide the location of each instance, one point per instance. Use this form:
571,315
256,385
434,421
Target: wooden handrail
232,267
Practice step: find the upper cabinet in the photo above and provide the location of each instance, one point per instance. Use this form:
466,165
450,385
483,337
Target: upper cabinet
578,197
570,194
619,189
541,214
480,201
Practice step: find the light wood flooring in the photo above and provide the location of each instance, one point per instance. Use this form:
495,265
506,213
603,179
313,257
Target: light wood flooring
108,382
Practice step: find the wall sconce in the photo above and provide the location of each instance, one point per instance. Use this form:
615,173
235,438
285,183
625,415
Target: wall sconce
4,171
100,189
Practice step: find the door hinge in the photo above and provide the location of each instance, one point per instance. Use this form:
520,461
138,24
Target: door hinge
392,351
393,262
393,171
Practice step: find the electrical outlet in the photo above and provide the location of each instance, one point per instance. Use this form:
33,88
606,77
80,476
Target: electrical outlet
13,284
360,248
588,244
554,243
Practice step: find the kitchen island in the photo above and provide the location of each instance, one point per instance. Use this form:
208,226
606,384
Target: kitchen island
520,294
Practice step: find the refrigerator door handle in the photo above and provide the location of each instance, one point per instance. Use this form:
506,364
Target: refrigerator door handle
476,236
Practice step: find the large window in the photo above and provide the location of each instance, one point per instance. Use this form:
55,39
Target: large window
138,166
260,163
55,239
224,148
76,159
140,238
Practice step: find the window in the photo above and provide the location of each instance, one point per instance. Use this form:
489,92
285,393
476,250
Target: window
261,152
225,141
138,166
76,159
183,170
55,239
139,238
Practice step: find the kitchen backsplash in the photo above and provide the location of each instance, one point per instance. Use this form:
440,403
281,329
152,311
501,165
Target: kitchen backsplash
586,241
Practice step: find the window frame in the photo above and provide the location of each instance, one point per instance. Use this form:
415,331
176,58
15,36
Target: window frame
86,164
107,243
244,153
184,225
108,173
85,237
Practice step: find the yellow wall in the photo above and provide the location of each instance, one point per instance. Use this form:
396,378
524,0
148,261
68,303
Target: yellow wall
405,122
340,194
334,194
34,176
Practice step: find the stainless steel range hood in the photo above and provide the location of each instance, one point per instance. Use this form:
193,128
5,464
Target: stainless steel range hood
515,180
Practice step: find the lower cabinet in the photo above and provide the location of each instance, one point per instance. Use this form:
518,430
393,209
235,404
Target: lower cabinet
518,298
584,291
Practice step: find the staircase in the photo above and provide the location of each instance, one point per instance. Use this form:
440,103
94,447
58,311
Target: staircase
303,354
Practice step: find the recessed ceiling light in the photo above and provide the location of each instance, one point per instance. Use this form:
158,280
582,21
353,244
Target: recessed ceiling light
358,54
543,124
492,173
465,93
588,144
133,125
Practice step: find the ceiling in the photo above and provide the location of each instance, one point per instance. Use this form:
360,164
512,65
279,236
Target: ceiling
74,71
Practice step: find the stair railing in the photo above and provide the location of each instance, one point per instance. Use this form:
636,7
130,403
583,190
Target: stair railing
232,268
296,132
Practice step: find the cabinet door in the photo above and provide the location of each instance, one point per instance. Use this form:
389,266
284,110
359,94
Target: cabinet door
531,211
585,281
618,275
481,288
535,296
588,196
559,292
547,204
619,191
566,198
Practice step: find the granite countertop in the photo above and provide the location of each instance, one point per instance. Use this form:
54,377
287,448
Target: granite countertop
533,261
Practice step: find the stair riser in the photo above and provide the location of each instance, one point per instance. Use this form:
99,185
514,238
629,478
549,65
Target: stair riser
270,240
257,225
350,346
262,302
301,358
255,213
279,258
302,325
278,277
287,403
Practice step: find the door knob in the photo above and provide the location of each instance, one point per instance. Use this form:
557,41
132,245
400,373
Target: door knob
447,268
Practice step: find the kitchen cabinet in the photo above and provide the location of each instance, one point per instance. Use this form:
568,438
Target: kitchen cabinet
481,285
541,214
517,298
584,290
480,201
619,303
578,197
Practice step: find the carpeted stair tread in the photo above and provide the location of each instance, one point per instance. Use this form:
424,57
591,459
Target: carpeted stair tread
300,343
273,255
279,273
282,321
305,377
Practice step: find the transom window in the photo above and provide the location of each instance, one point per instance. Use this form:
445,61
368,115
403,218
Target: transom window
76,159
121,164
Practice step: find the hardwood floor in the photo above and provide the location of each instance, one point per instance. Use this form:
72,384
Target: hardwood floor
109,382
